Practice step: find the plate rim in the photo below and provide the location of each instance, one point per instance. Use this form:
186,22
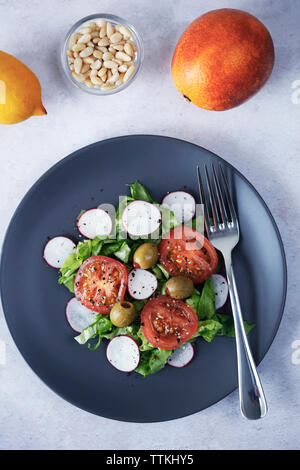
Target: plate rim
75,154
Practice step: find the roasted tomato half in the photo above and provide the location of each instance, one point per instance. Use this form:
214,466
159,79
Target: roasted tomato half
188,253
167,322
100,282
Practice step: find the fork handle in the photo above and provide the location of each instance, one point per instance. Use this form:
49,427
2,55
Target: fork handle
252,399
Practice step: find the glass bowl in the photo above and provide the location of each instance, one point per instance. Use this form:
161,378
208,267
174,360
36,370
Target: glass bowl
136,38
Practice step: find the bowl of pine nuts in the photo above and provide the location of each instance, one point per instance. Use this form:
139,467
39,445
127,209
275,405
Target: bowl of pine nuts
102,54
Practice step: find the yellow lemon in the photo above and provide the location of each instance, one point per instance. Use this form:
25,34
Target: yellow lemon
20,91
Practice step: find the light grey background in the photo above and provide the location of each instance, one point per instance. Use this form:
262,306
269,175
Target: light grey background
260,138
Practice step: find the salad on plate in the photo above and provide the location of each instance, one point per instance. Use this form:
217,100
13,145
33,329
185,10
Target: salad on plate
144,278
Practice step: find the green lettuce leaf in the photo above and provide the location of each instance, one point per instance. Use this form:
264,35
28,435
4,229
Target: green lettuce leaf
145,346
208,329
153,361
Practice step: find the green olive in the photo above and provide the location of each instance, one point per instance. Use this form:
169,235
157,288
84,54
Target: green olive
122,313
179,287
145,256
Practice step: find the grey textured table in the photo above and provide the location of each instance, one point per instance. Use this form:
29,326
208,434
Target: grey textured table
260,138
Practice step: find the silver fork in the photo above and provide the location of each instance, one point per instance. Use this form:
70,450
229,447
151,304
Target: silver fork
223,233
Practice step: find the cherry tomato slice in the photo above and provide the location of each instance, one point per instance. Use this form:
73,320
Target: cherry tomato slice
100,282
167,322
187,252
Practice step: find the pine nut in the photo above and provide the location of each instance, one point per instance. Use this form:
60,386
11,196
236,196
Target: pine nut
91,25
115,38
103,42
107,56
128,49
89,60
112,50
102,49
84,30
100,23
87,52
129,73
123,68
85,68
84,39
96,40
118,47
125,31
102,33
102,72
98,54
93,72
77,65
96,81
78,47
80,78
119,81
114,77
123,56
73,40
109,30
107,87
109,64
117,61
96,65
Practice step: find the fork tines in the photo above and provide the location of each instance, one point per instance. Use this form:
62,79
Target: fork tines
219,211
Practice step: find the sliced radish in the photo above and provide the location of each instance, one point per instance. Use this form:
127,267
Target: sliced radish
78,316
182,356
140,218
56,251
141,284
182,204
221,289
94,222
123,353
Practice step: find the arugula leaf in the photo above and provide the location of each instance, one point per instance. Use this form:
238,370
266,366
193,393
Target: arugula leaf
207,303
139,192
203,303
123,252
160,272
227,323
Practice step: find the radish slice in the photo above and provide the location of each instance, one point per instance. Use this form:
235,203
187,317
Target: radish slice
221,289
182,356
182,204
56,251
141,284
123,353
140,218
94,222
78,316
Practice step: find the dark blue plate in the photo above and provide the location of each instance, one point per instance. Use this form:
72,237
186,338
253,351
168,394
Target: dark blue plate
34,304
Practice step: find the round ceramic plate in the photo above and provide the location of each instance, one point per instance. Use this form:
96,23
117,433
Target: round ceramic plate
34,303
